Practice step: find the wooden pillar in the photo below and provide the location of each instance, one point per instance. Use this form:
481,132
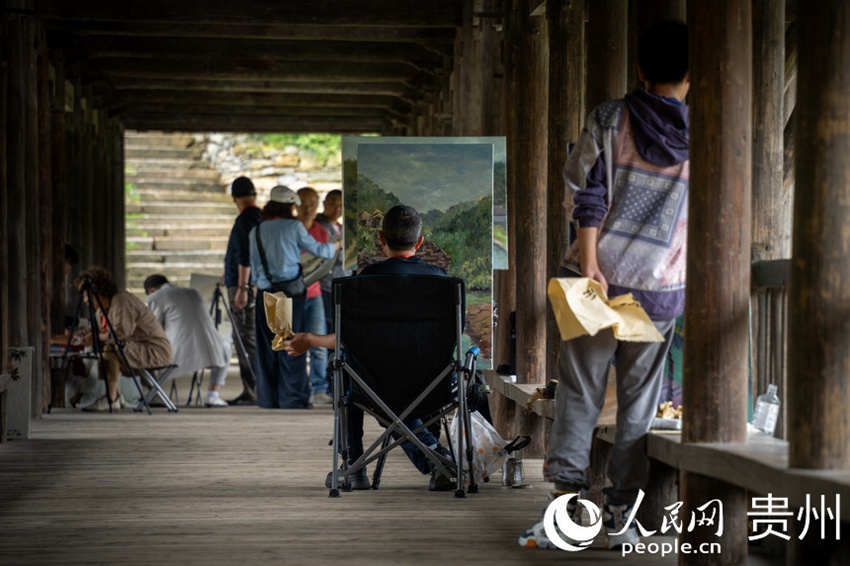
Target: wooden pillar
717,296
466,117
606,50
4,200
771,207
44,216
508,279
119,213
565,21
531,137
58,187
16,179
819,333
77,225
493,123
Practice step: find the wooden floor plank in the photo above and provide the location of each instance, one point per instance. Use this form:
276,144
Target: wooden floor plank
241,486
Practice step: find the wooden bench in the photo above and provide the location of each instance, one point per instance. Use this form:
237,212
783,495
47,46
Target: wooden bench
759,466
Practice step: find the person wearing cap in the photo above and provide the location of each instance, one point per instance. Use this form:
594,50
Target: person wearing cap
282,381
237,274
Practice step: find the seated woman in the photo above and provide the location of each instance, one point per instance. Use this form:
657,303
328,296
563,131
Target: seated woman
145,343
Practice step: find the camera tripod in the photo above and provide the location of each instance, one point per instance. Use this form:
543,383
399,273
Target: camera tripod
218,299
88,290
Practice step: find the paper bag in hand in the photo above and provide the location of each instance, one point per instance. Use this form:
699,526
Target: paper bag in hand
278,317
581,307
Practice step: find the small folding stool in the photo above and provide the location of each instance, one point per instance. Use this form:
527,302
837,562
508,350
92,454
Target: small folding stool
155,378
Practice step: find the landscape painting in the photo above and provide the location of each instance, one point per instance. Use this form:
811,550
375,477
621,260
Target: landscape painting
450,181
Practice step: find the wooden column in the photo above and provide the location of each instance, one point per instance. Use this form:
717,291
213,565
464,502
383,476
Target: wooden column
466,118
717,297
606,50
16,179
44,216
493,123
4,199
531,137
508,279
118,169
58,188
565,21
771,206
819,333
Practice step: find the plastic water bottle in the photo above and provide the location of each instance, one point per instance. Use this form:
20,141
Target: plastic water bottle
767,411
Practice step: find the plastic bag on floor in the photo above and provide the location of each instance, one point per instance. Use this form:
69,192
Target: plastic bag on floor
488,446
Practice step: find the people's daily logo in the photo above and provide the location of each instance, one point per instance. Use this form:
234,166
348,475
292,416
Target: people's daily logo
565,533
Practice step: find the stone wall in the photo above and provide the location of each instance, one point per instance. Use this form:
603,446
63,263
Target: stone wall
242,154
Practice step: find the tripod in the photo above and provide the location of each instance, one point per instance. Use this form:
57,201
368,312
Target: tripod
218,299
88,290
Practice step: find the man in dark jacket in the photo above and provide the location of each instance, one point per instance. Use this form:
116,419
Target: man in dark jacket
237,274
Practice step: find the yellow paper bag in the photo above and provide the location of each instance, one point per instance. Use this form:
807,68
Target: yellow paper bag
278,317
581,308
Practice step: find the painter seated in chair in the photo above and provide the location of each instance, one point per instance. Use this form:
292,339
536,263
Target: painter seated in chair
400,236
136,327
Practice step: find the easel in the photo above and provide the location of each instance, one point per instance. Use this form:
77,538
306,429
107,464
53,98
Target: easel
218,299
88,290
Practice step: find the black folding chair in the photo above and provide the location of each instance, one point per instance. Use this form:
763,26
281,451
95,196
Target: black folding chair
398,358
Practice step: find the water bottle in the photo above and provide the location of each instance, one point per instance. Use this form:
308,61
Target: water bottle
767,411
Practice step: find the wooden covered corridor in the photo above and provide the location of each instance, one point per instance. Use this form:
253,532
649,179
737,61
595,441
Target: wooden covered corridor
769,118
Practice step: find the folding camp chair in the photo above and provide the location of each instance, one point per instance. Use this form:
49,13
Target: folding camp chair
398,358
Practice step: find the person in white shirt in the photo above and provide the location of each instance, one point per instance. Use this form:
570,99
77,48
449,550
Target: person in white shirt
196,343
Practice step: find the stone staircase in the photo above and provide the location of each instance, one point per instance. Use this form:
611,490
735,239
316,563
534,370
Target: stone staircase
179,213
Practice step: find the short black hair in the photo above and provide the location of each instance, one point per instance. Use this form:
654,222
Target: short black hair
663,52
401,227
333,193
242,187
155,281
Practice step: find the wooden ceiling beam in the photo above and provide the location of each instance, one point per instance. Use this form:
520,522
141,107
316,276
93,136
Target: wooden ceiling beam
242,123
249,69
440,40
259,99
236,86
276,111
260,50
393,13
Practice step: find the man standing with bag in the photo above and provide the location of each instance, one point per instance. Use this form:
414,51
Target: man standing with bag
627,182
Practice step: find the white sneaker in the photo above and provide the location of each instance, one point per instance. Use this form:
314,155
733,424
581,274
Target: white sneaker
536,537
614,518
215,402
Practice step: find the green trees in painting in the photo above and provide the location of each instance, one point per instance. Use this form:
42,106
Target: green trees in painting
463,231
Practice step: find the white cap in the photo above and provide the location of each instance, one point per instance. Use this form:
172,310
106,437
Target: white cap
284,195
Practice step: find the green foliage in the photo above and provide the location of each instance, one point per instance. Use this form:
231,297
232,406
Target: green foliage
464,233
323,146
131,193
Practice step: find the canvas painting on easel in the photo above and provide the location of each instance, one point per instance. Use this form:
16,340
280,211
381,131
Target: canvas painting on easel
450,182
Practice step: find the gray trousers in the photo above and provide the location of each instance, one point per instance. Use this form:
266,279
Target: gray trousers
244,323
583,365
